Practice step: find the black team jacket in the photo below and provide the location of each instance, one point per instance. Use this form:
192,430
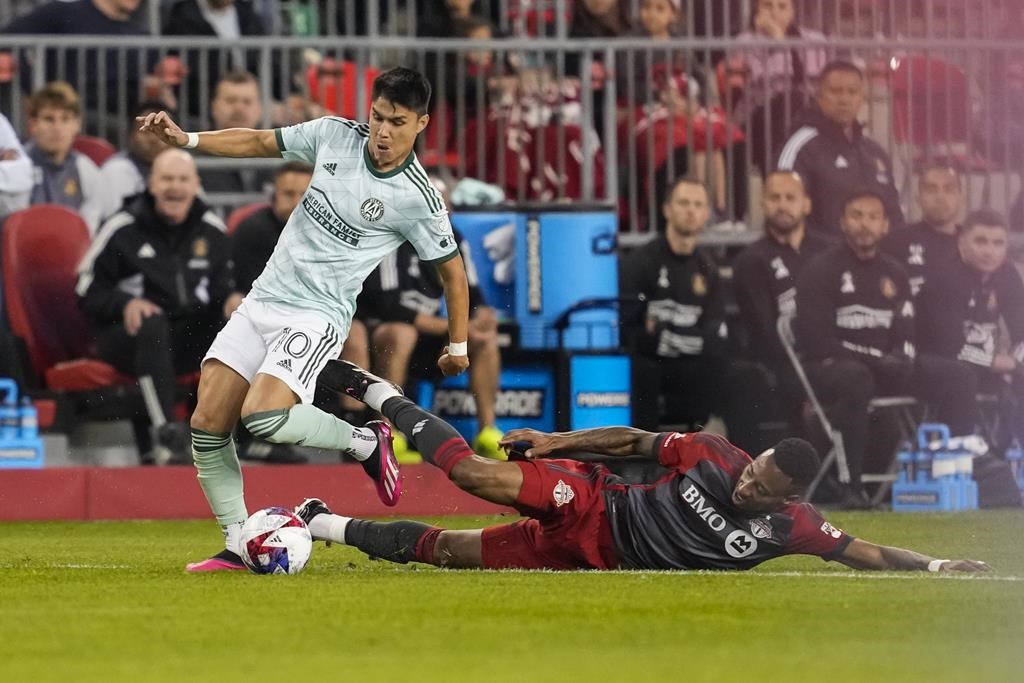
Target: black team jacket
854,309
833,166
764,278
959,314
185,269
923,251
683,294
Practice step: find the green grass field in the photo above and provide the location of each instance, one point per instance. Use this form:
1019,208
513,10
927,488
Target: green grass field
110,602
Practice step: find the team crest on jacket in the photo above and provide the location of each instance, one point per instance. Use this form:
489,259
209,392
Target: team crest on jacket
888,288
760,528
200,248
563,493
700,285
372,210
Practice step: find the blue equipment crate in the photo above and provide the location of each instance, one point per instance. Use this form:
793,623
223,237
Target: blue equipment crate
20,445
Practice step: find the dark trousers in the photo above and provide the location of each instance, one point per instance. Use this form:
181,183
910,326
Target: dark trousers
162,349
675,390
845,387
686,391
949,388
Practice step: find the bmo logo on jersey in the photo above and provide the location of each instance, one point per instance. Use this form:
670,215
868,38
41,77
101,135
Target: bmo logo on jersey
738,543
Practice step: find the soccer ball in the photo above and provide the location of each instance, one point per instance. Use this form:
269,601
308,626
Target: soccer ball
275,541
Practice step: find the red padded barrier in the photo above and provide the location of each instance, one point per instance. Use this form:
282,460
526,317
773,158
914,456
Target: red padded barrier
89,493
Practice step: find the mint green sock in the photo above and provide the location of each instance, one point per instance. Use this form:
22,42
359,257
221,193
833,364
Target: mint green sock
220,475
306,425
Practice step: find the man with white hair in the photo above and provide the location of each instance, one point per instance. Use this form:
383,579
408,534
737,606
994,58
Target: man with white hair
158,284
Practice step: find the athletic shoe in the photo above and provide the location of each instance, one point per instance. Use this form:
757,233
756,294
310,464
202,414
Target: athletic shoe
225,560
382,465
404,453
487,444
349,378
310,508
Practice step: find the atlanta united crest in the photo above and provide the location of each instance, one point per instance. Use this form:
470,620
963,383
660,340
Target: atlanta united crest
563,493
372,210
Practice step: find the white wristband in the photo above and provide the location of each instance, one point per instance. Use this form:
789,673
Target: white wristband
193,140
936,565
458,348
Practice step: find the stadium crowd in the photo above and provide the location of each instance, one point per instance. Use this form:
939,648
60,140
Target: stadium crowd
933,309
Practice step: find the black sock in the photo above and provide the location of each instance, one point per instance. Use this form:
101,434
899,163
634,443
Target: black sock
436,440
399,542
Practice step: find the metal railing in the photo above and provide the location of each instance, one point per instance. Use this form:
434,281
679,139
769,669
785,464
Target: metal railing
531,124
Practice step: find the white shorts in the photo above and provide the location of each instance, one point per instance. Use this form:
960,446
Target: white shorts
293,346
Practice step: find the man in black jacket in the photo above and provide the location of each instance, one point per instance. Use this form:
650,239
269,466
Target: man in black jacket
855,326
960,312
832,153
930,245
158,284
226,19
764,277
678,331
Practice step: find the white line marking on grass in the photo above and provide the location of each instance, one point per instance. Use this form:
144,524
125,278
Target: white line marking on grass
86,566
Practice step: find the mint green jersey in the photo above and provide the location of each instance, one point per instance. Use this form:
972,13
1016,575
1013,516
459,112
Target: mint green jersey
350,218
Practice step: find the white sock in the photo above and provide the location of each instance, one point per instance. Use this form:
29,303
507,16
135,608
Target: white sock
329,528
377,393
233,537
364,441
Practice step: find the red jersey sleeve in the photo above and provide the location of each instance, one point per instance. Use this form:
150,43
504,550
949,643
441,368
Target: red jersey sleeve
813,535
683,451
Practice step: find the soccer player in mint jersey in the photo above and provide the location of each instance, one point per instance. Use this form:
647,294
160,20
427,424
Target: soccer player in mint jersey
368,194
715,508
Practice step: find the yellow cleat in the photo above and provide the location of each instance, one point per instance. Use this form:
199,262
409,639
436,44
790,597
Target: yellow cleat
403,452
486,444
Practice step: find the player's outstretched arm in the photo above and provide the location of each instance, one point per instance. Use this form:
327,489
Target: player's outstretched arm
603,440
231,142
455,359
861,554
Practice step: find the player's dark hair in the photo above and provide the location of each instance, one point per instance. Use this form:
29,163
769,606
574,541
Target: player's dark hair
865,193
685,180
798,460
840,65
294,167
987,217
405,87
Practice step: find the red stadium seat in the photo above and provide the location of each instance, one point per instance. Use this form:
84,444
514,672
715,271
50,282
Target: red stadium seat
97,149
931,110
236,217
42,247
333,85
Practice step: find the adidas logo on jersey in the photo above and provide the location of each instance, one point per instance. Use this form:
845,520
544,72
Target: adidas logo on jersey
285,363
331,168
146,251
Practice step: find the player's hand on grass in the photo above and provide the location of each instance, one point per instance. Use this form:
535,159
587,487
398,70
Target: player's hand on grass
137,310
964,566
539,444
161,125
452,365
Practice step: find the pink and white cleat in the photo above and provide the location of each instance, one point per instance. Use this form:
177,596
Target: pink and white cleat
225,560
382,466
